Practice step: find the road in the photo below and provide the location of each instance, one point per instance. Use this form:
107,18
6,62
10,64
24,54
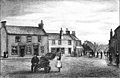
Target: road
72,67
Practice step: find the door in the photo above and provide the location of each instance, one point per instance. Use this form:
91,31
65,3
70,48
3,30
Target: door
22,51
36,49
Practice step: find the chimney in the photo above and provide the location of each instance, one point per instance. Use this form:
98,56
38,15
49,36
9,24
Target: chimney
67,31
3,23
111,33
41,25
73,33
61,33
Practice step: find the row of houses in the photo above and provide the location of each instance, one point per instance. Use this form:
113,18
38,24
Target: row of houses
29,40
114,43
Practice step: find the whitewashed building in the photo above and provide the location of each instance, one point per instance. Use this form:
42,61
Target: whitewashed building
66,43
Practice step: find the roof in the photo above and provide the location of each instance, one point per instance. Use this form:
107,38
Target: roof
25,30
56,36
53,36
74,37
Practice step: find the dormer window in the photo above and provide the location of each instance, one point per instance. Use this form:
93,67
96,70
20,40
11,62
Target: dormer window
17,39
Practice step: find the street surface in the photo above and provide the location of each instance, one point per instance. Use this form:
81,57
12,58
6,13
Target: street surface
72,67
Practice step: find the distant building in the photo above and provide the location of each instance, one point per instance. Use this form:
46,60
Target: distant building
23,40
66,43
114,42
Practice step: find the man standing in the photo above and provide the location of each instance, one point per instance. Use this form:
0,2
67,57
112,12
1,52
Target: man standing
101,54
117,59
34,61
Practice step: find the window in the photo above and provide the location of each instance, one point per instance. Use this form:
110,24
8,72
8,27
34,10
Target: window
29,39
53,42
59,42
39,38
14,50
29,50
42,49
69,50
69,42
17,39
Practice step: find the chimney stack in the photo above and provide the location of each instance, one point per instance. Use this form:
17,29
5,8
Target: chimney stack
111,33
73,33
41,25
3,23
61,34
67,31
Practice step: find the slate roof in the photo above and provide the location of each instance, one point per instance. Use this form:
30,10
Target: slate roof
56,36
29,30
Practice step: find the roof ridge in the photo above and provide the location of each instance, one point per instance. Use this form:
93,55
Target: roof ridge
20,26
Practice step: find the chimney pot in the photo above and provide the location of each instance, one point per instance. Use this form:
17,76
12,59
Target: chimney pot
41,25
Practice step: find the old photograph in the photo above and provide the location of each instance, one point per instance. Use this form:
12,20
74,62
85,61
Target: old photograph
59,38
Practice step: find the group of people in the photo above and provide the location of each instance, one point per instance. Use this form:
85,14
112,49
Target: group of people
5,54
35,60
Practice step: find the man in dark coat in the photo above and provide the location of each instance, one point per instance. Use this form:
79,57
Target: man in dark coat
34,61
101,54
110,58
117,59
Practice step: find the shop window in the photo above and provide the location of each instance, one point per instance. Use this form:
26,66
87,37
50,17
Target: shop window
17,39
29,50
29,38
14,50
39,38
42,49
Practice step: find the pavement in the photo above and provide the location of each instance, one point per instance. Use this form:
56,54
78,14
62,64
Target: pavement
72,67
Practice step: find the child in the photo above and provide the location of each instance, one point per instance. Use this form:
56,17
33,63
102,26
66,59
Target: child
59,64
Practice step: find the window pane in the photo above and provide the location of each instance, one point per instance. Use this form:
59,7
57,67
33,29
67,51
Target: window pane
59,42
17,39
14,50
29,50
53,41
69,42
42,49
29,38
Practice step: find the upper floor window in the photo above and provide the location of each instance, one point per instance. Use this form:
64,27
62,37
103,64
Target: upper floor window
14,50
59,42
53,42
69,42
39,38
17,39
29,38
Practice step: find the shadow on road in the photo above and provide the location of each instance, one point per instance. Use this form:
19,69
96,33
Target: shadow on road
29,72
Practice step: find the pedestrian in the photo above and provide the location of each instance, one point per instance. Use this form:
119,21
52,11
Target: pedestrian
34,62
6,54
101,54
59,63
117,59
97,54
110,58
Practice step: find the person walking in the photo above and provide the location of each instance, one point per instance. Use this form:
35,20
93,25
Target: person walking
34,61
110,58
101,54
117,59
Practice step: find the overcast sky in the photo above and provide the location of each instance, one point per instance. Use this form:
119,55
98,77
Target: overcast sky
91,19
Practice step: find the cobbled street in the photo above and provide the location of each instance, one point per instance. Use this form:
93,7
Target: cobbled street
72,67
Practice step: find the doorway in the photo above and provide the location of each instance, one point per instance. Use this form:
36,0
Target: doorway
36,49
22,51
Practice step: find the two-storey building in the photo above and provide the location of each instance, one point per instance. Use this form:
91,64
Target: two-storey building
66,43
23,40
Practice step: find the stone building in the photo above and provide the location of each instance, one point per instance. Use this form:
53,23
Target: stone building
23,40
66,43
114,43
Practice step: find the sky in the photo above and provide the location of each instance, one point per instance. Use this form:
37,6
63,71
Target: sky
90,19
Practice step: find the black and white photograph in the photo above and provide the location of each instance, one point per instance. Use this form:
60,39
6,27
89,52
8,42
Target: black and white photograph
59,38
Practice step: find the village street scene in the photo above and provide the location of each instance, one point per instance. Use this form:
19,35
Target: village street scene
59,39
